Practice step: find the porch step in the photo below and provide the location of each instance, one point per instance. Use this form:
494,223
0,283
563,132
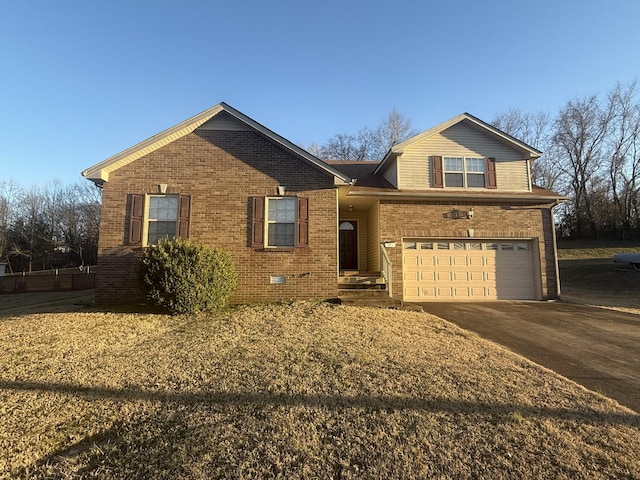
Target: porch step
367,297
367,280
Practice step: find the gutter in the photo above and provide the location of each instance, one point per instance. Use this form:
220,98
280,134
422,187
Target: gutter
455,196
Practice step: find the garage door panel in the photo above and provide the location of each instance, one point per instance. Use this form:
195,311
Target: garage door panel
459,276
427,260
479,270
478,292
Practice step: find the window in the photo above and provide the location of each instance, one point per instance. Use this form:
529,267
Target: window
475,172
280,222
152,217
162,217
463,172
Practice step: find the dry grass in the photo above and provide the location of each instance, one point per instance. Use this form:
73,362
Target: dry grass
588,275
592,249
305,390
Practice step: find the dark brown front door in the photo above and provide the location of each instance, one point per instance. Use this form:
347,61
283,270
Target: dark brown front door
348,246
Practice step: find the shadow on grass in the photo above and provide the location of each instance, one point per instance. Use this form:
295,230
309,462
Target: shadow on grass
389,403
17,304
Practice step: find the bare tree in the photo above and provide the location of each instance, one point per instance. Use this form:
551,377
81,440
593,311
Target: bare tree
341,146
396,128
580,133
9,192
533,129
622,150
49,227
367,144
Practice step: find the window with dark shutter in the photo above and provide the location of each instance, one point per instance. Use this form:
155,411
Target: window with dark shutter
302,223
136,218
184,214
279,222
491,173
436,167
257,222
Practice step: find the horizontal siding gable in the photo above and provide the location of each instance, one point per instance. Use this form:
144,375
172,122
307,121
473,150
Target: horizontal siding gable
224,121
391,173
462,139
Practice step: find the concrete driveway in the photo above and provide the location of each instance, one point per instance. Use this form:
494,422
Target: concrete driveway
597,348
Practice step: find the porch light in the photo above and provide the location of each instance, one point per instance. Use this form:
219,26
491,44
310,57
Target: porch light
470,213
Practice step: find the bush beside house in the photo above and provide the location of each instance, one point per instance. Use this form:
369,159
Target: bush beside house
183,276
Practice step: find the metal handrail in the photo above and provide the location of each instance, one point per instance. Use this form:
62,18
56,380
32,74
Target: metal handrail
386,268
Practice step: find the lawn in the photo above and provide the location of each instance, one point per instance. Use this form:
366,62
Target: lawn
588,274
304,390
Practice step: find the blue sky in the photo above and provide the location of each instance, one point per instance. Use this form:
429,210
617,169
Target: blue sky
84,80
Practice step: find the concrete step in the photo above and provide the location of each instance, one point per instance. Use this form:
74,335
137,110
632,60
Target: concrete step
360,281
368,297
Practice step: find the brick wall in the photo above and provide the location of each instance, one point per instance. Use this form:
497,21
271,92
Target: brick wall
221,170
490,220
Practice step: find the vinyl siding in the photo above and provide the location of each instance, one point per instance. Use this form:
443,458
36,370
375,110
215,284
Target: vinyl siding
462,140
391,173
224,121
373,238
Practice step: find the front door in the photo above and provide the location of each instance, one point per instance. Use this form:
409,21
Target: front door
348,246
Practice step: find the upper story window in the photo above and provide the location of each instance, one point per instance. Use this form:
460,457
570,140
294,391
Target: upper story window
463,172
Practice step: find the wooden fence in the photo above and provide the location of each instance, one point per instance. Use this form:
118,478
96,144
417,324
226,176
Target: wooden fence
62,280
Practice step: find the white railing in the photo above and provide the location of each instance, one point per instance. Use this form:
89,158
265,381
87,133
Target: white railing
386,268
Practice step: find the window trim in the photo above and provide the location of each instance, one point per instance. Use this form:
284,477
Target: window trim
268,222
464,171
138,214
259,223
146,220
438,172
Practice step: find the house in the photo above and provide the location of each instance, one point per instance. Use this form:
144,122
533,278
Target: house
450,214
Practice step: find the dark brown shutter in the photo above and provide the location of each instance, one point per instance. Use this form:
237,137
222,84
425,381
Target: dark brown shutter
257,222
436,166
491,173
302,223
184,215
136,217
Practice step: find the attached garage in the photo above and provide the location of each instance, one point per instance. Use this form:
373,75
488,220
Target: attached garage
438,269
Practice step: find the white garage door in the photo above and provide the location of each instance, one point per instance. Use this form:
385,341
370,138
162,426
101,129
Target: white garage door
468,270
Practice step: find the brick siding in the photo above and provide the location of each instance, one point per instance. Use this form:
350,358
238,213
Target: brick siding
490,220
222,170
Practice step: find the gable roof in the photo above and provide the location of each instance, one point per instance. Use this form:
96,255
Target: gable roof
361,172
463,117
99,173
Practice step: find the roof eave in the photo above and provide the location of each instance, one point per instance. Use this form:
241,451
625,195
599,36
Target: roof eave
457,195
399,148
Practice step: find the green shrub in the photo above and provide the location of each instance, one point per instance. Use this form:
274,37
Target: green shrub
183,276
